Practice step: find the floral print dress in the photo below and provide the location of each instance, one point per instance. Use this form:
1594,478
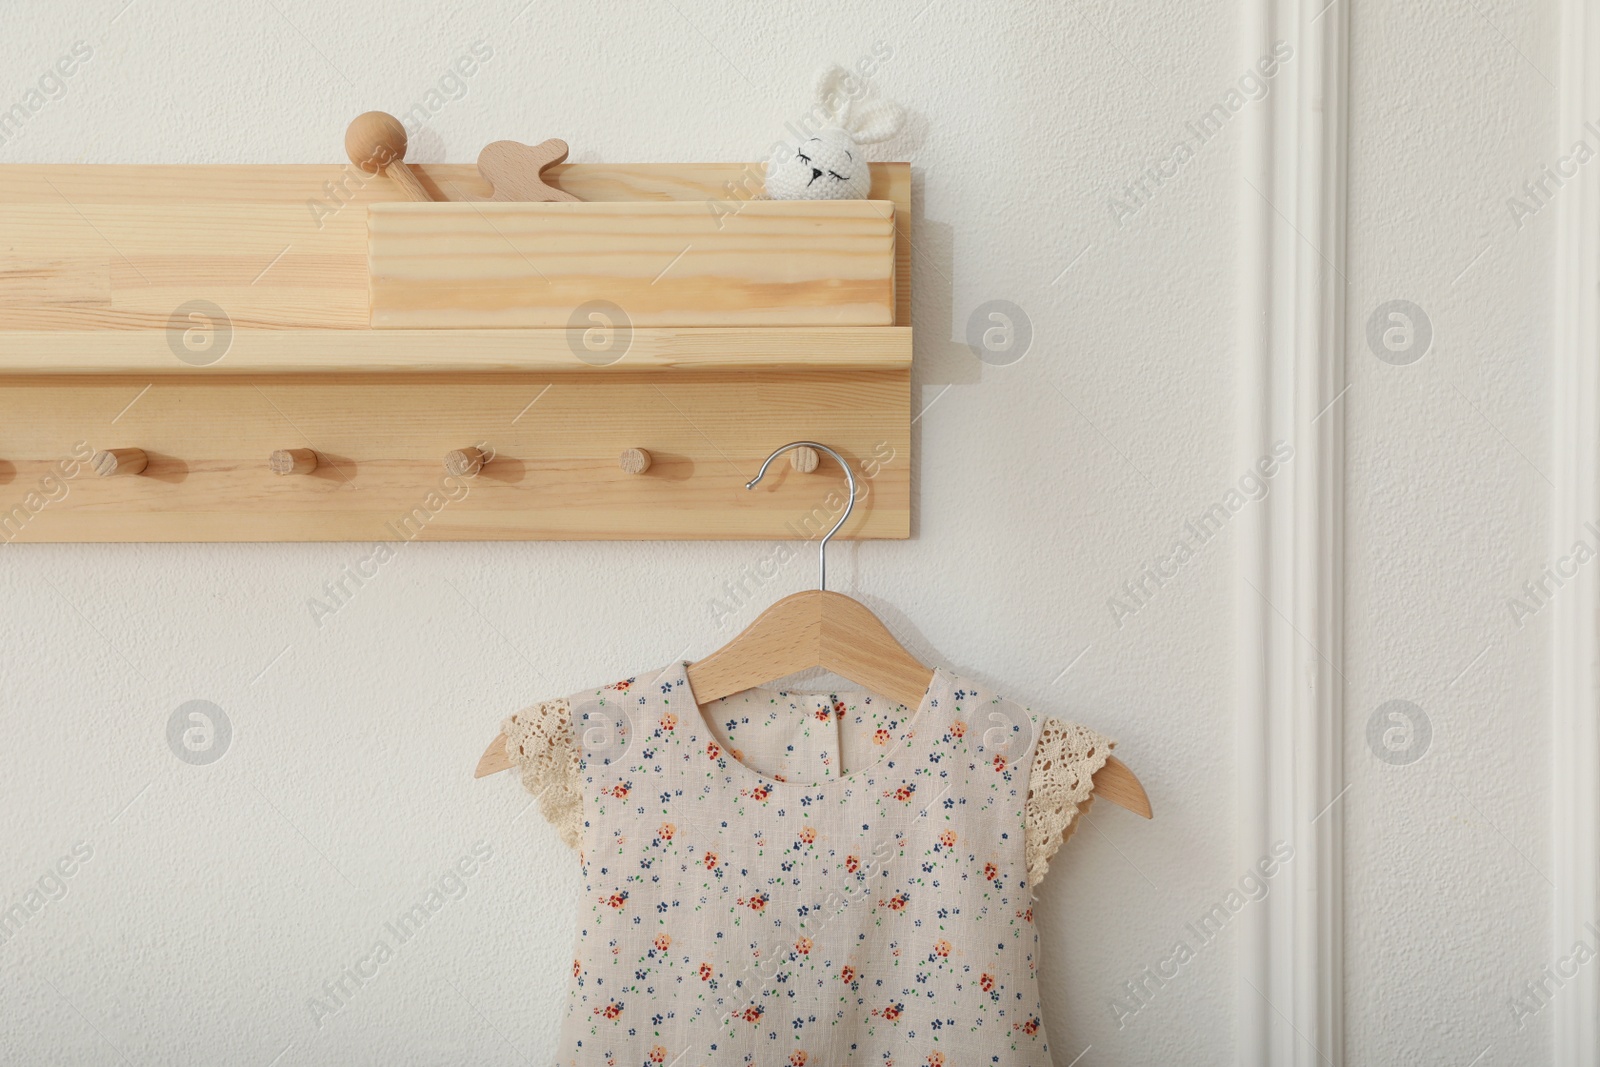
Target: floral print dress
804,879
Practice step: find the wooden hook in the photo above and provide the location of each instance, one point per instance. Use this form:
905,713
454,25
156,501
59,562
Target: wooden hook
634,460
804,459
293,461
113,461
465,462
375,141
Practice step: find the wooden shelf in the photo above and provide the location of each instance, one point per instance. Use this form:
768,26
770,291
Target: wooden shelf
277,247
102,269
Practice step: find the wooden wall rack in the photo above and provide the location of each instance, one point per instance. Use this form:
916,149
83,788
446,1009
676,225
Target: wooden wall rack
217,353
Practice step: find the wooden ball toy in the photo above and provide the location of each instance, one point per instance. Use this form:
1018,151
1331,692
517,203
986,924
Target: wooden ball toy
376,143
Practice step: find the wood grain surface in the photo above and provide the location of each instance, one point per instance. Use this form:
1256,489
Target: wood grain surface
772,263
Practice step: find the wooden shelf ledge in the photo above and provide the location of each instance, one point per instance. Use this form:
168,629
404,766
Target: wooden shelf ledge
257,351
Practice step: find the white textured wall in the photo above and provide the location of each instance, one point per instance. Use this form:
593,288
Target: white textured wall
1448,861
219,899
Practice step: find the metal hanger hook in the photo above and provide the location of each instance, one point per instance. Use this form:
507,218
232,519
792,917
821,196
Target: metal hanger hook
822,549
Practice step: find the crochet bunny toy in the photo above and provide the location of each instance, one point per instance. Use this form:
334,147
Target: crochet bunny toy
831,164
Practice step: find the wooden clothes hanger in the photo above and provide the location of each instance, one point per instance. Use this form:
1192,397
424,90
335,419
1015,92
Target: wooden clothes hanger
816,628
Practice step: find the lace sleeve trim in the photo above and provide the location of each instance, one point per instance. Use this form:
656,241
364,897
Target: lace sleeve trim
539,743
1059,788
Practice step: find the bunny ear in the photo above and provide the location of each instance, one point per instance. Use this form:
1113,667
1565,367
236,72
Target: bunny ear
877,121
835,102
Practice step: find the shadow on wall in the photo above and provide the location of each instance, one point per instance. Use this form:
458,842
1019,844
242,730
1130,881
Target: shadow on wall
942,355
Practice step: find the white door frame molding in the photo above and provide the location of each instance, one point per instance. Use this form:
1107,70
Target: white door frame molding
1289,993
1575,448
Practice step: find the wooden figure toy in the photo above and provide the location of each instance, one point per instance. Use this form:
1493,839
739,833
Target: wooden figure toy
515,170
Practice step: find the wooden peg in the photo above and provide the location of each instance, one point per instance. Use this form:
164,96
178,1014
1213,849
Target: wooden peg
376,143
293,461
516,171
113,461
464,462
634,460
804,459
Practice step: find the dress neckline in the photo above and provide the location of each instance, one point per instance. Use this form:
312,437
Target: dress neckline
703,734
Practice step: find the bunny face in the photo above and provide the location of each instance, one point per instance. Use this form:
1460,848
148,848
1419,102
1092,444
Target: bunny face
829,166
